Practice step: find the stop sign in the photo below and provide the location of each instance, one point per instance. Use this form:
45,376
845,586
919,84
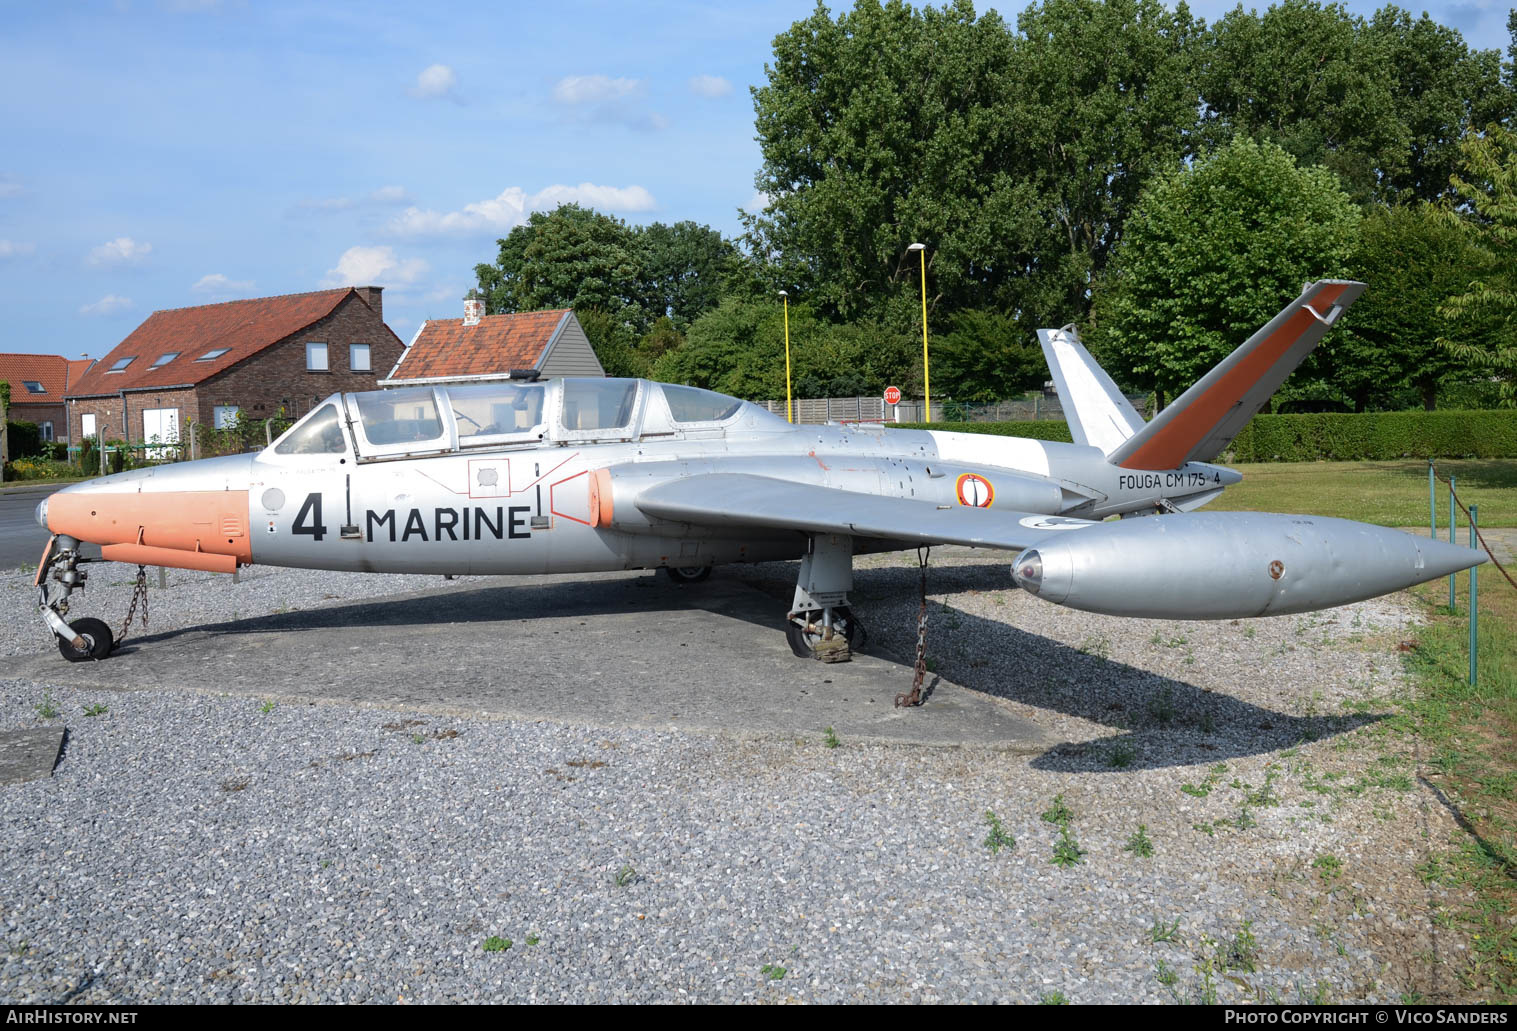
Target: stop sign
892,395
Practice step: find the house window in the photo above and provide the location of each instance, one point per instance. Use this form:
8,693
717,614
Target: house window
121,365
224,415
358,357
47,431
86,425
34,387
160,426
316,356
211,356
164,359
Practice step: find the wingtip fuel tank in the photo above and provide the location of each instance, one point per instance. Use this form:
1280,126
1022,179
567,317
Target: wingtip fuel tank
1229,565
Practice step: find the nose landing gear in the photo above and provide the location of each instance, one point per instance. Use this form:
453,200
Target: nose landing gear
820,625
58,575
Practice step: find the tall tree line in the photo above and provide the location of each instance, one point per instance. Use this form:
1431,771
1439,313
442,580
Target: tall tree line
1023,157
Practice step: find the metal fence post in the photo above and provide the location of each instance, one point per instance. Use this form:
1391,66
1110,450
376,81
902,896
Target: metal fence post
1453,521
1432,504
1474,608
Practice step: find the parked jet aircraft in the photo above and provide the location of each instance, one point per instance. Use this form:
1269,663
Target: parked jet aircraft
578,475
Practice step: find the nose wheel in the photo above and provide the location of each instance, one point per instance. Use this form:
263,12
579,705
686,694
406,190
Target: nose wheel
58,576
96,636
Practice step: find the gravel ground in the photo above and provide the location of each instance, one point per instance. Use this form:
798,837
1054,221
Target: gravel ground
191,847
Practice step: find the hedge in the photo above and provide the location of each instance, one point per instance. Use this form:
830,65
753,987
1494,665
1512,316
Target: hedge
1328,436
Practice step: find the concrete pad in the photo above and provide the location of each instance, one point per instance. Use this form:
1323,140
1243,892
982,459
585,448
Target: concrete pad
615,650
29,754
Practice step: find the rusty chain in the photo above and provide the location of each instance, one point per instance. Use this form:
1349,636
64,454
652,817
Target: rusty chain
139,593
1478,535
915,697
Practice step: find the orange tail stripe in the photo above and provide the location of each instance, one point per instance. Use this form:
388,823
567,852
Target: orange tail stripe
1168,448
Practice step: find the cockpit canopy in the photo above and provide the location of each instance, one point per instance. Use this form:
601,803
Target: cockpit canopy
457,417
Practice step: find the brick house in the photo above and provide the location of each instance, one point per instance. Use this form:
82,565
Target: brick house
256,357
39,384
480,346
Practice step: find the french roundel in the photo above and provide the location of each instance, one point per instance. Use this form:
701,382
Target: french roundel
975,491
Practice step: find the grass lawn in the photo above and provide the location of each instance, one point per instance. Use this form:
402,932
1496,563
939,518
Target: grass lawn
1387,493
1467,732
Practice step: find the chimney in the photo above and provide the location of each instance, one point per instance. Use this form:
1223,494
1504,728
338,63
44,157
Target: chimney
474,307
371,296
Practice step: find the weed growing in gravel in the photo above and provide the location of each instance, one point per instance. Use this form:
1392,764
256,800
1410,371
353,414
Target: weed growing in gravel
625,876
1241,951
1165,974
773,971
1095,646
1055,998
95,710
47,708
534,939
1161,707
1058,812
1139,844
1162,932
495,943
830,738
1328,866
1067,851
1121,755
267,707
998,838
1213,776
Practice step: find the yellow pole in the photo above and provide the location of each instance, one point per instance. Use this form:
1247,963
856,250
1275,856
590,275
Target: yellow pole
926,375
789,414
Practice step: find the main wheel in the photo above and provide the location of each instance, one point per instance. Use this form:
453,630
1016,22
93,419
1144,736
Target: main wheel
803,644
97,640
688,574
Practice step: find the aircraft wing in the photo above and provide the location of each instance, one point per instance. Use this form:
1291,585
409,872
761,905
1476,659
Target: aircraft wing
738,500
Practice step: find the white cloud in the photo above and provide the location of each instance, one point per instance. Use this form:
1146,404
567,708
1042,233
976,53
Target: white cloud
110,304
377,266
758,202
435,82
382,197
593,89
15,248
710,86
505,212
121,251
216,283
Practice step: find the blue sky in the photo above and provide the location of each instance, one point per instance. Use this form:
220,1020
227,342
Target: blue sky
165,154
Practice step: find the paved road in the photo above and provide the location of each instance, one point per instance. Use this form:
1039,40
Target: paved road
21,539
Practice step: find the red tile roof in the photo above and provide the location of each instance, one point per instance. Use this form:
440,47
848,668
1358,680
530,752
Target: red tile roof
78,367
243,328
50,370
500,343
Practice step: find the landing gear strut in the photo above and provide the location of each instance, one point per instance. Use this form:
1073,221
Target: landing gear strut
820,625
58,575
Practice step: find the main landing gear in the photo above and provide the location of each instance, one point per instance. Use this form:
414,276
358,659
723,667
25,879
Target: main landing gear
820,624
58,575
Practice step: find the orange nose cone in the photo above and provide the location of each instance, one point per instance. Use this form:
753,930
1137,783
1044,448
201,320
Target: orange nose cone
198,523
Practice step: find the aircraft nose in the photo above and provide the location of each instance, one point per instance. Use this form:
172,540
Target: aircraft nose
188,515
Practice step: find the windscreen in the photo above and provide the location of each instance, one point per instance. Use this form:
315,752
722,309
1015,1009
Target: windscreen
319,434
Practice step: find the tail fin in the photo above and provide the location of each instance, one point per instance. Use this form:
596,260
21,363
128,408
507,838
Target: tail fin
1098,414
1201,422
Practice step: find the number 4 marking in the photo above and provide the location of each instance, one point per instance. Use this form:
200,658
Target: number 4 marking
314,529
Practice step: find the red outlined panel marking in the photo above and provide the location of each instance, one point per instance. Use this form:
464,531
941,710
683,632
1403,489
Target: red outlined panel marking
575,498
975,491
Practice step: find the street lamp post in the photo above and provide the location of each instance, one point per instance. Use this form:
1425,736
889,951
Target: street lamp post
921,249
789,415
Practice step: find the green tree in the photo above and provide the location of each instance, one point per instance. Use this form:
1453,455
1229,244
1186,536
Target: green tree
614,345
1210,255
1012,157
1380,102
1486,312
985,356
682,269
1385,353
571,257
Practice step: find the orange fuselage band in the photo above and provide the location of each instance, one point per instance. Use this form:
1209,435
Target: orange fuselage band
201,523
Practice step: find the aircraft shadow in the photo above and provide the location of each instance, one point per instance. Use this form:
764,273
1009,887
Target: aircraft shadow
1156,720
